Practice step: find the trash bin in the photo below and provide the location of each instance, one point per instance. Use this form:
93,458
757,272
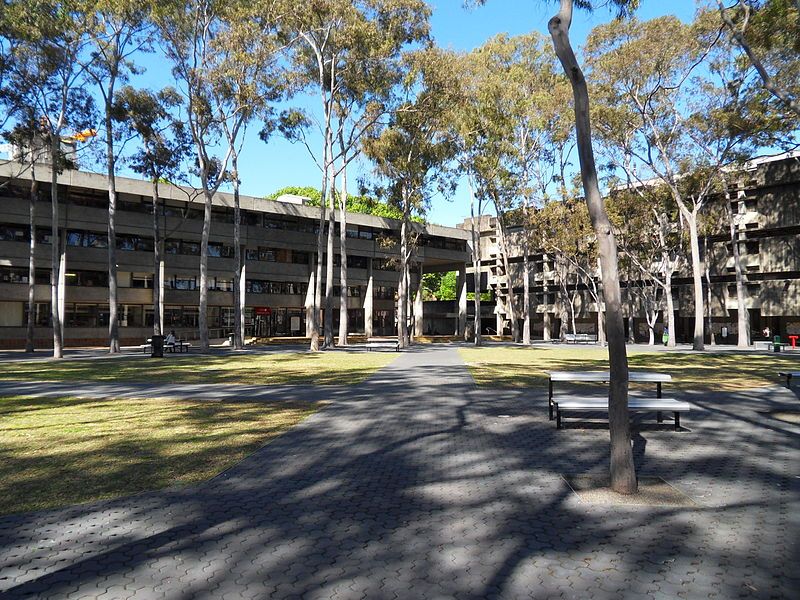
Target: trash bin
157,342
776,341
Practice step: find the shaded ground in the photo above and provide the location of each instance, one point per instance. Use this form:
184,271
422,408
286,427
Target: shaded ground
516,366
414,487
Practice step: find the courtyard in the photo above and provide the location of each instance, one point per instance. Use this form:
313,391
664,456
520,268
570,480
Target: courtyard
423,474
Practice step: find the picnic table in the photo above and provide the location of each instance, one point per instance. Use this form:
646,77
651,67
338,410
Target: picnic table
658,404
789,375
179,345
383,343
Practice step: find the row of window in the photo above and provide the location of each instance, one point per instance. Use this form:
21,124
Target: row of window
132,315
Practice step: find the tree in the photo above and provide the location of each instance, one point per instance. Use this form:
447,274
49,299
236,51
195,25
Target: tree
117,31
44,63
349,57
623,474
164,148
410,153
768,32
188,34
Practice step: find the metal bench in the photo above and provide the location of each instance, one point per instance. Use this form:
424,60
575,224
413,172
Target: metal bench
603,377
635,404
383,343
579,338
788,375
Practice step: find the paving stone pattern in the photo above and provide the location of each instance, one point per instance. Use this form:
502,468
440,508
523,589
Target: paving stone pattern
412,486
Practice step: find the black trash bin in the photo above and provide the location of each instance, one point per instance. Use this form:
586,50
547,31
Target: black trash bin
157,343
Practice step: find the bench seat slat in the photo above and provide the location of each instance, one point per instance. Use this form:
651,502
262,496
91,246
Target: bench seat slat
657,404
601,376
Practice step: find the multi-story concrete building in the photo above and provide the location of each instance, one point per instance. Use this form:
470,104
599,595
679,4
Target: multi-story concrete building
766,200
279,248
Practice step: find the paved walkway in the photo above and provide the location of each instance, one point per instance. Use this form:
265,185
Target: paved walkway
414,486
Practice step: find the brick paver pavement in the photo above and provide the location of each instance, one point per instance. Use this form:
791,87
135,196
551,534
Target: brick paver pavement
414,486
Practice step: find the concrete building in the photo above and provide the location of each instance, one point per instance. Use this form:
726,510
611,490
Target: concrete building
766,200
279,248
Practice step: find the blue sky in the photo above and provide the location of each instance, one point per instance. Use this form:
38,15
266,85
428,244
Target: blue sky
267,167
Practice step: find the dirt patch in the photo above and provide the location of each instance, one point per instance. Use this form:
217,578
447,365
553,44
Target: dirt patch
653,491
787,416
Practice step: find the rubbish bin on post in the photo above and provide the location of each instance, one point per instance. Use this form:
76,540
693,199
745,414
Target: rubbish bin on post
157,343
776,341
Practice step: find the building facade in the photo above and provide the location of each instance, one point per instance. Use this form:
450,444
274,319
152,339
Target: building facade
765,197
279,242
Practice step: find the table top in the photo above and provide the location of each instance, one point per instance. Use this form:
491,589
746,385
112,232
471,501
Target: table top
636,376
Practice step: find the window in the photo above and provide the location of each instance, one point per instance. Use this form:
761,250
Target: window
172,247
220,250
354,291
41,314
222,284
251,254
142,280
191,316
13,275
14,233
184,283
190,248
266,254
357,262
86,278
131,315
300,258
751,247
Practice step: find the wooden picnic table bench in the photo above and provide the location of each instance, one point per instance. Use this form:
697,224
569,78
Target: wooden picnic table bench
603,377
635,404
179,345
788,375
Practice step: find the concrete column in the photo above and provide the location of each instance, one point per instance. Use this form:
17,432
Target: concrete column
418,316
547,325
461,327
309,303
368,301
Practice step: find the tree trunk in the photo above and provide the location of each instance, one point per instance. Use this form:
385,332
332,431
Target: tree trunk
343,324
55,254
670,316
526,297
512,304
476,268
743,316
402,291
697,278
158,250
203,316
113,318
328,342
709,297
238,297
622,470
317,291
34,195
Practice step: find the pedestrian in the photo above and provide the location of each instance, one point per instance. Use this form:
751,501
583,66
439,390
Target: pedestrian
665,335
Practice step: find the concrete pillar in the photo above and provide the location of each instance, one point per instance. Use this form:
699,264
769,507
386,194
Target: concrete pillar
368,298
547,325
309,303
418,306
461,294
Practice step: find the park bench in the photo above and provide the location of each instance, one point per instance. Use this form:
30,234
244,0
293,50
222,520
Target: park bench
602,377
767,345
179,345
788,375
580,338
635,404
383,344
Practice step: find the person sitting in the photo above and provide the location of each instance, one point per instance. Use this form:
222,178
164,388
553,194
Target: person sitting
170,339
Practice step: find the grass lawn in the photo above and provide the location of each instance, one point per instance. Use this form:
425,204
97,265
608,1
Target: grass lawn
60,451
509,367
325,368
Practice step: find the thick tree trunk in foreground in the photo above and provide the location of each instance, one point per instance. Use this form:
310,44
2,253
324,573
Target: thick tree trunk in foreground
670,316
402,291
622,470
328,341
34,195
